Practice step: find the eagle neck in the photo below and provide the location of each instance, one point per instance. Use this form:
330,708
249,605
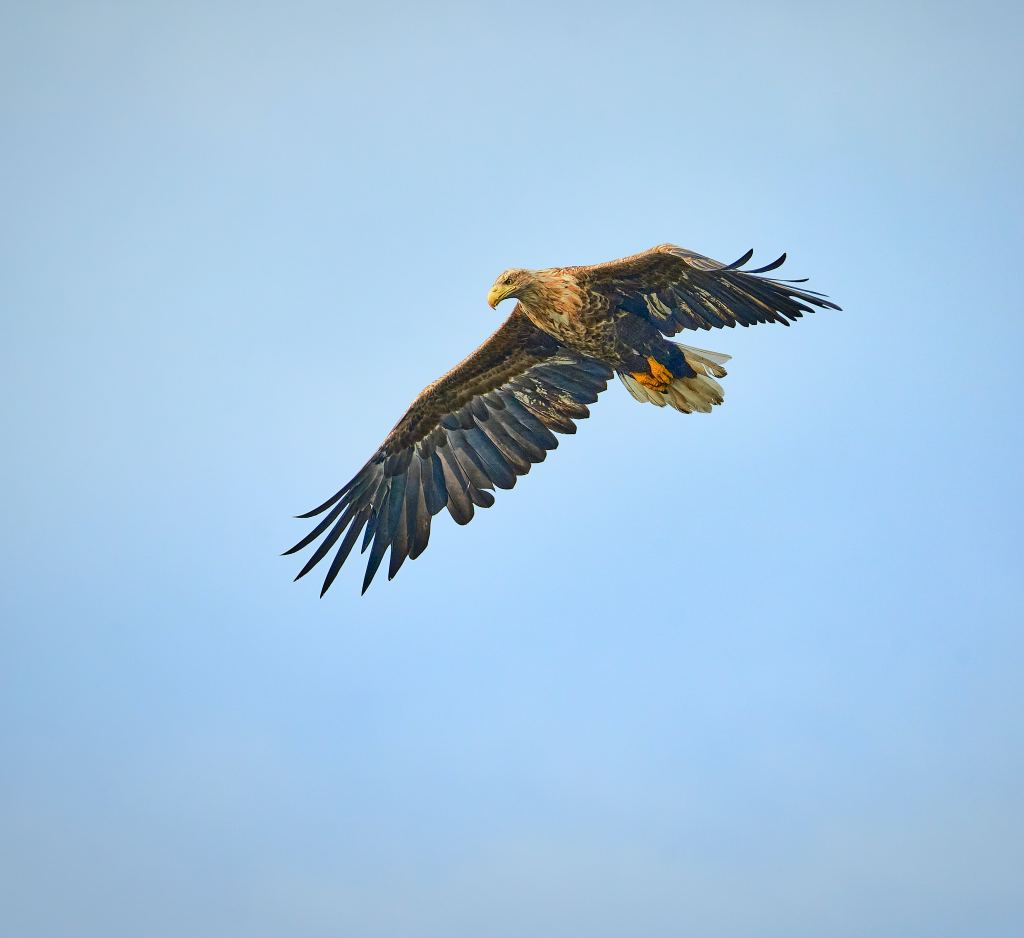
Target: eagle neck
552,296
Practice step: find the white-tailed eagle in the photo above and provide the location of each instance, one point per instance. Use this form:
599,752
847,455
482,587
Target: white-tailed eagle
494,415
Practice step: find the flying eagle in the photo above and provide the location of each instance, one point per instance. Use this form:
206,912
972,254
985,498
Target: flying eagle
491,417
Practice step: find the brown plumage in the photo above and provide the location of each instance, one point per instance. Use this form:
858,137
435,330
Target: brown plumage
491,417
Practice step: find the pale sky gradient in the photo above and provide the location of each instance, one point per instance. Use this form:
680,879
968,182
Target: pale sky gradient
744,675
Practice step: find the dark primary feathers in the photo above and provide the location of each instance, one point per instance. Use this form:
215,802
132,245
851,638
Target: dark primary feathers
479,427
491,417
676,289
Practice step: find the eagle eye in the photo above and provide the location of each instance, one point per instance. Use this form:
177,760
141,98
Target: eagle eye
508,279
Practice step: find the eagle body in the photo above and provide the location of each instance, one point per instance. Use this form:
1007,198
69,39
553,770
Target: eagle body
494,415
559,302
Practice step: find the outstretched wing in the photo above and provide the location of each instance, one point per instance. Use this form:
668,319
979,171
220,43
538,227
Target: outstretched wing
675,289
480,426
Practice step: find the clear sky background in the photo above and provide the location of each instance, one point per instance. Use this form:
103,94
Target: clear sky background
751,674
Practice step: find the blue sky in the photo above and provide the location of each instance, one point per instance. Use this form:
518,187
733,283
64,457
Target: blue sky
747,674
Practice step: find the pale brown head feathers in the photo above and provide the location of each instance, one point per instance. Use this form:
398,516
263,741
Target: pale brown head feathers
509,283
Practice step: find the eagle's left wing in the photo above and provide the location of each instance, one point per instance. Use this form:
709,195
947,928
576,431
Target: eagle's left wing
480,426
675,288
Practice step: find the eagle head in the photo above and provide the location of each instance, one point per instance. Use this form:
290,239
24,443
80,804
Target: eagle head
510,283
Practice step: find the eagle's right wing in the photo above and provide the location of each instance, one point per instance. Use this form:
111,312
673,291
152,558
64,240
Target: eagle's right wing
479,426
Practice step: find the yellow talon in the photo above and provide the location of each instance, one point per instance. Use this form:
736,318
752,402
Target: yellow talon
660,378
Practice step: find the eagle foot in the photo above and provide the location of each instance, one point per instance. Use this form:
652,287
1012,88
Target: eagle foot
659,379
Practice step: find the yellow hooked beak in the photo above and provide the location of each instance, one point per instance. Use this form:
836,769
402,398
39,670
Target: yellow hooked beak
495,296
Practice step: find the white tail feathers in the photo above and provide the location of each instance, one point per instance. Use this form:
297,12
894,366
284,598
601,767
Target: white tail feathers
697,393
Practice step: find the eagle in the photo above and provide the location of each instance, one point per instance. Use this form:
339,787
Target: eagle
496,413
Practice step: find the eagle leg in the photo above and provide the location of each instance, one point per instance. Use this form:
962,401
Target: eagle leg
659,379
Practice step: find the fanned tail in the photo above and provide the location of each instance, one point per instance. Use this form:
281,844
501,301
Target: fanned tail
699,392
